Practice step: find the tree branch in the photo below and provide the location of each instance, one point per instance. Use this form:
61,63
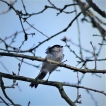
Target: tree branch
64,95
2,87
96,8
52,62
51,83
4,101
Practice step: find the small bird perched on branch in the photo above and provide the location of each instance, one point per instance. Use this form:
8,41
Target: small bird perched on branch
53,53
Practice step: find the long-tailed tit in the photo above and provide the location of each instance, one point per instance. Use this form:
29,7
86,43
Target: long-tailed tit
53,53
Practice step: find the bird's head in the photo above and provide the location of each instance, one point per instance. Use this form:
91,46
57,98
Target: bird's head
55,48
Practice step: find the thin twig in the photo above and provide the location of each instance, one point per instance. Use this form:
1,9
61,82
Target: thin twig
24,6
3,90
5,67
94,55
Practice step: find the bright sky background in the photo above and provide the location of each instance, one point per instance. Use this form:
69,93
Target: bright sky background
49,24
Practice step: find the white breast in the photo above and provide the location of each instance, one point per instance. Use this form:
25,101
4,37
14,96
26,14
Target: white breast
49,66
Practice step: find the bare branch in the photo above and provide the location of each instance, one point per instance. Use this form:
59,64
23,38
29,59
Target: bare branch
51,83
64,95
94,55
24,6
90,14
92,97
3,90
4,101
96,8
5,67
53,62
29,103
11,3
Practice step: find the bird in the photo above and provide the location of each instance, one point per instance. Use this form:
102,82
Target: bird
53,53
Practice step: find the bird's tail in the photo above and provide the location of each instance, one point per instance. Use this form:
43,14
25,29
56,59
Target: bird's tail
40,76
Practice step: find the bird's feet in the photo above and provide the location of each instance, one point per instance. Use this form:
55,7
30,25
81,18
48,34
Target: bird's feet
47,80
